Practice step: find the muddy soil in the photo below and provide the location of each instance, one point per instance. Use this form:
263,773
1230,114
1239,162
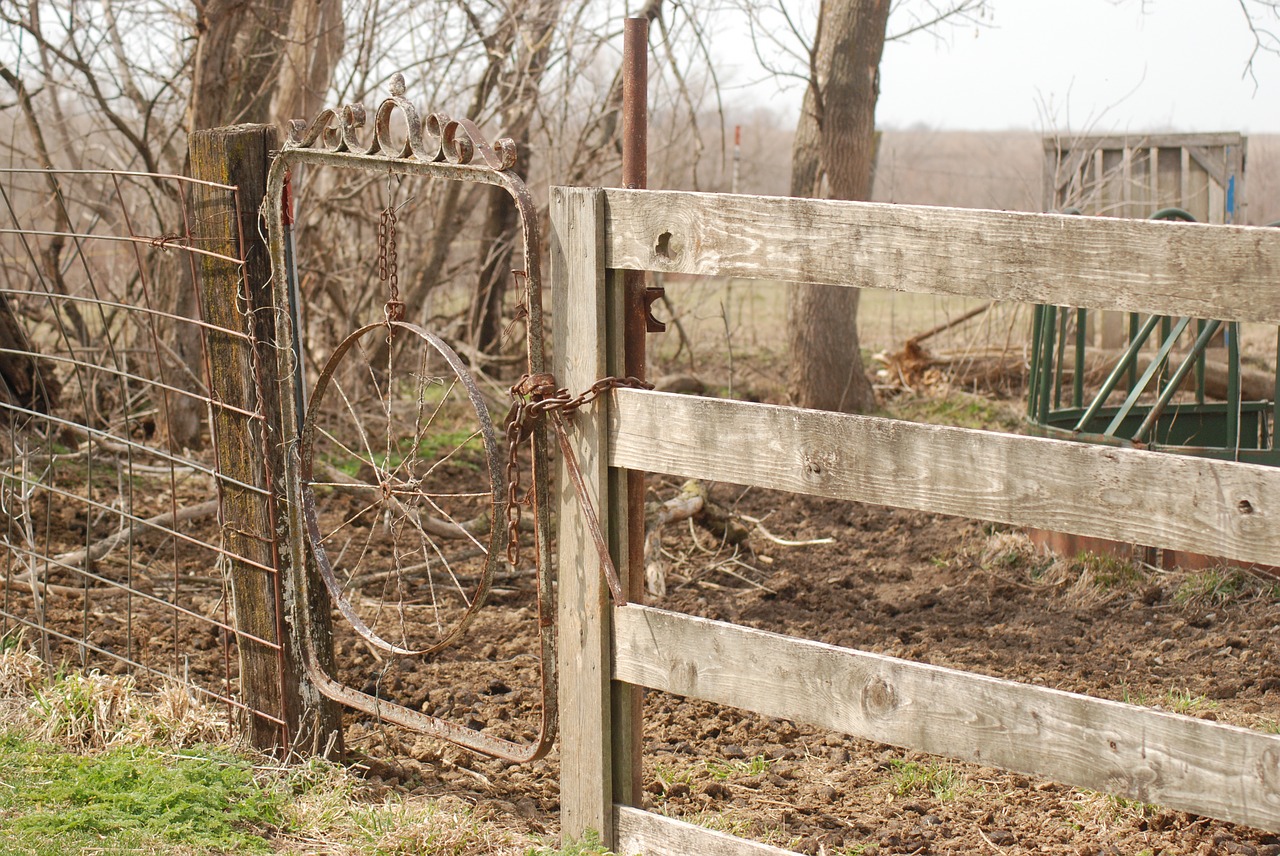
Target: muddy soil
927,588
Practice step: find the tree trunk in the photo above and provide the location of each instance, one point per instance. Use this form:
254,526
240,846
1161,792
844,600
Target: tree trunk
485,318
833,155
237,60
27,382
533,29
252,57
311,52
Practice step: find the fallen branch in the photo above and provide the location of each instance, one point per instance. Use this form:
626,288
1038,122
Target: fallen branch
724,568
498,576
692,503
1002,368
947,325
81,558
691,500
23,582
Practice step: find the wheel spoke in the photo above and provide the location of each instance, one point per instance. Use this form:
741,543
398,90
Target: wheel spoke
402,531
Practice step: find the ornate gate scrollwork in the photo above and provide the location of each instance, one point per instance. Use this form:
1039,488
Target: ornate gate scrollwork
398,482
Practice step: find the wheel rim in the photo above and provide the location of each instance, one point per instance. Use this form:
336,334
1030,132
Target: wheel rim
400,473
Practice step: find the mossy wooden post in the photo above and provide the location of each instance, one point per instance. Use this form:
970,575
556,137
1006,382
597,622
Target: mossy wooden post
249,450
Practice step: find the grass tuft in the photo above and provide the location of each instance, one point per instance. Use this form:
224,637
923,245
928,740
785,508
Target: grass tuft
1212,587
958,408
722,770
94,766
941,781
1186,702
589,846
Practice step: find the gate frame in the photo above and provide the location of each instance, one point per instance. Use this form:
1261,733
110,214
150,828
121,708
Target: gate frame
434,147
1217,508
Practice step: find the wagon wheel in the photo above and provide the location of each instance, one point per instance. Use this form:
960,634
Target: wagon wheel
400,475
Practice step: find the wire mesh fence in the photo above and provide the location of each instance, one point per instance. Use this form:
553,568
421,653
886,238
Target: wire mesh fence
114,553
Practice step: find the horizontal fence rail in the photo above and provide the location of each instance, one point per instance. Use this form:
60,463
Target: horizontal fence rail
1138,753
1219,507
1187,269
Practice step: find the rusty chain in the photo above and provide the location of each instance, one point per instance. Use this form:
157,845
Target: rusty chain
534,397
388,264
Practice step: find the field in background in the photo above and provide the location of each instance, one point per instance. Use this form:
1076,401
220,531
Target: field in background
732,333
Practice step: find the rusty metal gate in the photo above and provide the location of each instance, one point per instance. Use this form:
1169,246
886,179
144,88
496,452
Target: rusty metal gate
405,496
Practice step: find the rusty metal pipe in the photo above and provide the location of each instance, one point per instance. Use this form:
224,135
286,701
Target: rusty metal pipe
635,125
635,157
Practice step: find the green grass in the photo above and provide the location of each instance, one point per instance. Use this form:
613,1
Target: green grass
1187,702
1131,696
90,765
10,640
742,824
722,770
670,776
961,409
463,447
1093,805
940,781
1174,699
130,799
588,846
1122,807
1109,572
1214,587
466,442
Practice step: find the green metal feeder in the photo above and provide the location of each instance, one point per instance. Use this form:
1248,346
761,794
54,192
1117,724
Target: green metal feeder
1154,395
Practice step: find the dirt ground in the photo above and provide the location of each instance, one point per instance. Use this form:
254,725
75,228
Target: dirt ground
927,588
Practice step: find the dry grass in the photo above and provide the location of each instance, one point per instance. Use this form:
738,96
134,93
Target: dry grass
326,808
1085,580
91,710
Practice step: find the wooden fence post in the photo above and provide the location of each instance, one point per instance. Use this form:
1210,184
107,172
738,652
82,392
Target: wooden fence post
592,765
249,451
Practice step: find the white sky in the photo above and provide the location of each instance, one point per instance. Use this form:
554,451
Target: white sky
1082,65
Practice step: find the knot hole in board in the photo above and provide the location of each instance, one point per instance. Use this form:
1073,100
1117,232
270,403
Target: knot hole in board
663,247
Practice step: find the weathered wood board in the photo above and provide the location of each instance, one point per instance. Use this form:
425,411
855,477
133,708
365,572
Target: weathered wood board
586,762
642,833
240,155
1202,271
1148,755
1219,508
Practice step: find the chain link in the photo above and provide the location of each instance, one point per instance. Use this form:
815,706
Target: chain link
533,397
388,264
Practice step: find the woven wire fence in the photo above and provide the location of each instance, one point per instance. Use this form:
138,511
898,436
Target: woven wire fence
114,556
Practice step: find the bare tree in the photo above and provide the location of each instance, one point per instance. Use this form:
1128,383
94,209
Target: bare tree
136,79
835,146
833,155
132,82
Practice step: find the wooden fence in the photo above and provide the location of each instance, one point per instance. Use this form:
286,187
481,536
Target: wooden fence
1209,506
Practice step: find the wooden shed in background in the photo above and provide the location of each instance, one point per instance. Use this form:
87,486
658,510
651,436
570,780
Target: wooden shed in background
1134,176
